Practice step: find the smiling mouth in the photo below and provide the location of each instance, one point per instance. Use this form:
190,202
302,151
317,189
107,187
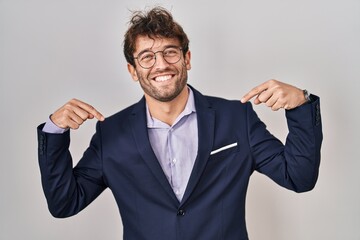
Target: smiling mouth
162,78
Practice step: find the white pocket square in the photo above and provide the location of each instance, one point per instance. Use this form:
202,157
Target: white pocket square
224,148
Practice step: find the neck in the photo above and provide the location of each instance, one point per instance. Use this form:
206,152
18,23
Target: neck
167,112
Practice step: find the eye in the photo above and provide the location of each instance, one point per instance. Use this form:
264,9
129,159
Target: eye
147,56
171,52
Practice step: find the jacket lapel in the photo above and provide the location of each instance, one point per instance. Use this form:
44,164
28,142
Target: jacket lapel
139,129
206,125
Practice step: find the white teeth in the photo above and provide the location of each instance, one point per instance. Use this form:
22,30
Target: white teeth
162,78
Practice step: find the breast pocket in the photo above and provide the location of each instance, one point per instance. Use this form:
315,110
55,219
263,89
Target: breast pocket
223,151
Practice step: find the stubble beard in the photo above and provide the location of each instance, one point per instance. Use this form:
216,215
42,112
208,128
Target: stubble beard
164,94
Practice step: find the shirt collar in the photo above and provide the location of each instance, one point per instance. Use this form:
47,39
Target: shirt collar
189,108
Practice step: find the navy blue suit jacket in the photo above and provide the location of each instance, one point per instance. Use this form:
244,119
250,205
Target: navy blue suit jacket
213,207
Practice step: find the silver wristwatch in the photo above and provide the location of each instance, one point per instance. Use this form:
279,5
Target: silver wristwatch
307,95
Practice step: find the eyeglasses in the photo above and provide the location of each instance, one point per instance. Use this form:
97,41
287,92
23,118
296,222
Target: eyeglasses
147,59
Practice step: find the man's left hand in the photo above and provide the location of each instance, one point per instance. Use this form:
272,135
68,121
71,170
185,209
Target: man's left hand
276,95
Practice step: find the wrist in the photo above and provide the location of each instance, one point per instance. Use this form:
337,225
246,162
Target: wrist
306,96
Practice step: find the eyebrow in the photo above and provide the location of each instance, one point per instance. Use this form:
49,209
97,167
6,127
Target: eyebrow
149,49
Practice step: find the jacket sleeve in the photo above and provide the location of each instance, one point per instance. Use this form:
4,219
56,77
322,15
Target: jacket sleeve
68,190
295,164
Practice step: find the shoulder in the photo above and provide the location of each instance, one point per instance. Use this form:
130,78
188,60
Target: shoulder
219,101
219,104
123,115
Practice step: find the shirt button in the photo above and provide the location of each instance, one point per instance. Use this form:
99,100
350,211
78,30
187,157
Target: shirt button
181,212
174,160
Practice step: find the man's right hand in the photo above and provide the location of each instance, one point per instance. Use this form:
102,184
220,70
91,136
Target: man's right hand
74,113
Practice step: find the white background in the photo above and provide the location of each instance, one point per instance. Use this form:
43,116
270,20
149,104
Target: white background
51,51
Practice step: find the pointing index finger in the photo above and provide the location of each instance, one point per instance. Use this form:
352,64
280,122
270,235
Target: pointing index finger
254,92
91,110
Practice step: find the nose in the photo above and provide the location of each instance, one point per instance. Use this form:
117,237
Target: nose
160,61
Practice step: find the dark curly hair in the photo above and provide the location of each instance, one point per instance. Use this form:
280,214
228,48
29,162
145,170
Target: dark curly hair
158,22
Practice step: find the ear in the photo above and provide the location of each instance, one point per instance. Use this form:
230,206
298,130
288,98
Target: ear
132,72
187,60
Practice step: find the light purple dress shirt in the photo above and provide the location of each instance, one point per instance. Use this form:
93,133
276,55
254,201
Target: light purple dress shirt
174,146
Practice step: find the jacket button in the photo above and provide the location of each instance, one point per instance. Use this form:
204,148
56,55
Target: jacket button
181,212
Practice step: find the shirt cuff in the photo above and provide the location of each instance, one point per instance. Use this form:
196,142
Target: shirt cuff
50,127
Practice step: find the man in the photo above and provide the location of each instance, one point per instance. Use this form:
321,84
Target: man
177,162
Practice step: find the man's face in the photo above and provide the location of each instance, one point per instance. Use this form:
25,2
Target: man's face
163,81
